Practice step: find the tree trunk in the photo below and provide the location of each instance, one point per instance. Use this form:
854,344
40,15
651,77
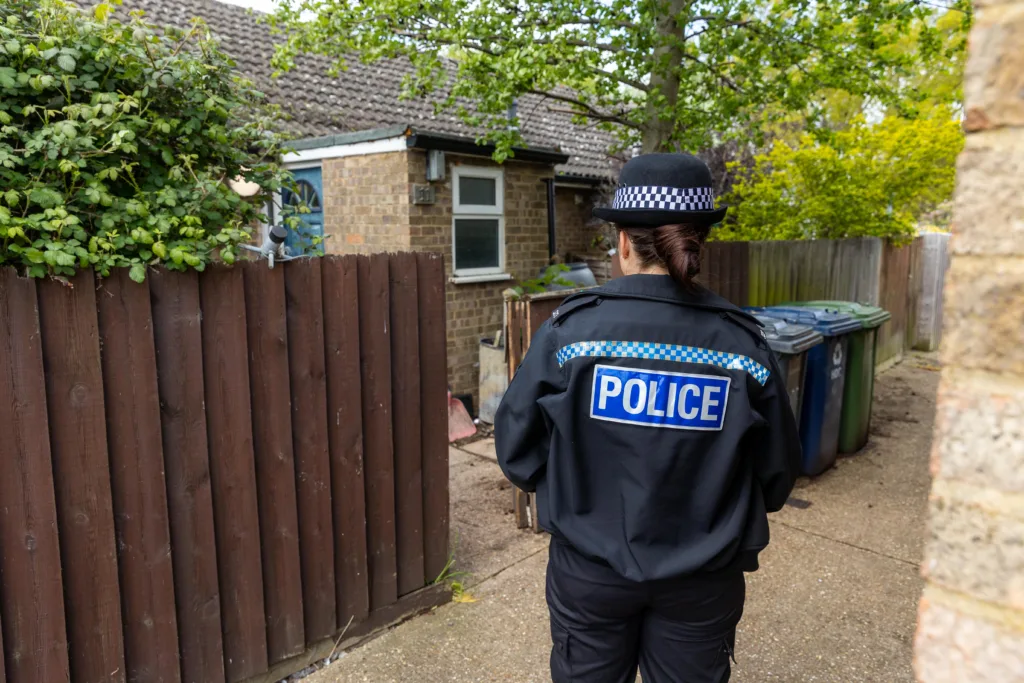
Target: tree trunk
668,55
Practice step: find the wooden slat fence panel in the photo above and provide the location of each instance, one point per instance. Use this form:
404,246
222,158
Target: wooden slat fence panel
433,412
78,442
267,326
312,455
179,360
406,421
895,284
31,594
375,358
233,474
345,436
184,491
137,480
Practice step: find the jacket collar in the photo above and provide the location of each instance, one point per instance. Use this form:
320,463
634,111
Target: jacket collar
665,288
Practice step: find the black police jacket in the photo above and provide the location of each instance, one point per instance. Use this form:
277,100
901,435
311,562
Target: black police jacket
654,425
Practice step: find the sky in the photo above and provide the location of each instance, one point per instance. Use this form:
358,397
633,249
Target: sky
262,5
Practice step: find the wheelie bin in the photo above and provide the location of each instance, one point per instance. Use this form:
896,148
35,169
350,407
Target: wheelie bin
860,373
822,403
790,342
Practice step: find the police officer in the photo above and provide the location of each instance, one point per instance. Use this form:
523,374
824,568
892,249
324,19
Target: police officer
651,420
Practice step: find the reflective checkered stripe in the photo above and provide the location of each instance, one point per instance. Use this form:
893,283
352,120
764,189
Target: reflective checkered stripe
672,352
669,198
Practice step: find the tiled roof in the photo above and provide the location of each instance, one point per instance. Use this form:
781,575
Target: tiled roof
366,96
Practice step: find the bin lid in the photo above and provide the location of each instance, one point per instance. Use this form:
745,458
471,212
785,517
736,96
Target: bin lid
869,316
828,323
788,338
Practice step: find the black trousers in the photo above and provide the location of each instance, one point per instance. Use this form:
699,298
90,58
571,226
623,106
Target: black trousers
604,627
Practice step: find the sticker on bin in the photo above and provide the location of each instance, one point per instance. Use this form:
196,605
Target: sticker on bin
659,399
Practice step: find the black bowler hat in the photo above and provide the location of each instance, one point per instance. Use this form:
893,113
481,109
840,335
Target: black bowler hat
662,189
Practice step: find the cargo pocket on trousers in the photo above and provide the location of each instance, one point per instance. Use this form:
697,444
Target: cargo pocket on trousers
561,655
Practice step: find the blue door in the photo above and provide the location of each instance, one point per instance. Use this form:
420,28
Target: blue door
309,189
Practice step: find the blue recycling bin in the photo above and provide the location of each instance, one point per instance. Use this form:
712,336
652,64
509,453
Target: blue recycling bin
822,409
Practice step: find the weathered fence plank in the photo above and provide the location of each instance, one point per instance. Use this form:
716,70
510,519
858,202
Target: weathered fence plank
345,435
269,381
74,396
405,390
433,411
137,480
375,356
179,361
307,367
232,472
31,592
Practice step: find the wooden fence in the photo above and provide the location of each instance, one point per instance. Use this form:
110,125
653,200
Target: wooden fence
865,270
206,478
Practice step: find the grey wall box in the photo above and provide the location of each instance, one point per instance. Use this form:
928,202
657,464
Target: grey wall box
435,165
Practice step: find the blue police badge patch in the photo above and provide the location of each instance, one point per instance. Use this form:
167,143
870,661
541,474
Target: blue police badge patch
653,398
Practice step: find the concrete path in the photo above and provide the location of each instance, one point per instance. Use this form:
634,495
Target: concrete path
835,600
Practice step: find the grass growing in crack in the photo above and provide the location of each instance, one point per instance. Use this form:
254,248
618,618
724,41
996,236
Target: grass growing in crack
454,577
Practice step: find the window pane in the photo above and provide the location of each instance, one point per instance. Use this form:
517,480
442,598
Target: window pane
476,243
478,191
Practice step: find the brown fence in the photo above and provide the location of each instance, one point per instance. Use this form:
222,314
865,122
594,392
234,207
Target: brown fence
865,270
207,477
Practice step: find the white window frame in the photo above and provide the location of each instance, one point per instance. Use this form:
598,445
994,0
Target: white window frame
479,211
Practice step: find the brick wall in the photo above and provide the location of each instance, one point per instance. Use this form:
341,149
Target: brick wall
366,203
576,229
971,625
475,310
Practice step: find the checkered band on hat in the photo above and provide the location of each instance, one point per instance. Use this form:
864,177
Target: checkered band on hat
667,198
669,352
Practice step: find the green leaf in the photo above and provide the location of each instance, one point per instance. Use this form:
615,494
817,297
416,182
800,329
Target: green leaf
160,250
11,197
66,62
138,272
8,80
34,255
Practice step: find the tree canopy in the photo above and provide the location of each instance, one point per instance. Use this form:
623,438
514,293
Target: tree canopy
664,74
117,142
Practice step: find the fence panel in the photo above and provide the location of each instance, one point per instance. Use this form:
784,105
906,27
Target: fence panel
267,326
345,435
308,370
31,592
233,472
213,426
81,469
375,356
895,297
406,426
179,359
433,411
137,480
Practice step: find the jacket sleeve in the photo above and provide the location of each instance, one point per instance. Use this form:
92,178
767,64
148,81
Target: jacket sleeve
521,431
778,452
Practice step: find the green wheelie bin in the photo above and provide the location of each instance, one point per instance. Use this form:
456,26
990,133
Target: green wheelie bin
860,372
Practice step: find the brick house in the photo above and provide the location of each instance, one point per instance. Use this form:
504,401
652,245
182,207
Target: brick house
387,174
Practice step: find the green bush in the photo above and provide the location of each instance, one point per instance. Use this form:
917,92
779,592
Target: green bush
868,180
117,143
